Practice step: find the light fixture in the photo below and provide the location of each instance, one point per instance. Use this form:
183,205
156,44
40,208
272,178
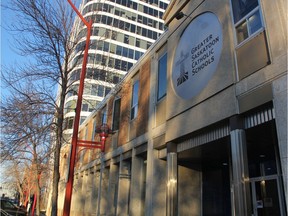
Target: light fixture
262,156
179,15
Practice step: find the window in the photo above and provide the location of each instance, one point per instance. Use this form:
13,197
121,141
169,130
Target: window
162,80
68,123
134,104
100,91
82,119
104,115
85,107
94,129
107,90
247,18
116,114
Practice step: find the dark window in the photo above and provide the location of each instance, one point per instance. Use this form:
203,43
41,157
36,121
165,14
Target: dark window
100,91
104,115
162,77
107,90
85,107
116,114
134,104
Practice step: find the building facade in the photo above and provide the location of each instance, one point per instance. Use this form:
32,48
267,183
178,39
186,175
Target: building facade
200,121
122,31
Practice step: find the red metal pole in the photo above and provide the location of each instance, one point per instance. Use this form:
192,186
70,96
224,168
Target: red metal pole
69,184
34,204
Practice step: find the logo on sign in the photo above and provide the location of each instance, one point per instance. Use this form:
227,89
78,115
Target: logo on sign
197,55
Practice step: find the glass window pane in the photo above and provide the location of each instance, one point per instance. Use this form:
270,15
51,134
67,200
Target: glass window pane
135,93
116,114
134,104
162,81
242,32
100,91
255,22
242,7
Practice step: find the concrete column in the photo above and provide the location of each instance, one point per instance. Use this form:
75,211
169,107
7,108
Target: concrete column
96,190
241,189
87,191
84,192
104,190
124,188
172,180
61,197
137,202
280,105
76,196
112,189
155,198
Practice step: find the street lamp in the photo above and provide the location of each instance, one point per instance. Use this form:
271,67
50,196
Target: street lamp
103,132
69,184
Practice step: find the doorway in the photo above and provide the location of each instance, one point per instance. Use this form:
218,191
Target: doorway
204,180
265,196
266,186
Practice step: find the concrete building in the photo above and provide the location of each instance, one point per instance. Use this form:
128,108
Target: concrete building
122,31
200,121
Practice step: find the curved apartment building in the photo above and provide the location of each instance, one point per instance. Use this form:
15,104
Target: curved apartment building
122,31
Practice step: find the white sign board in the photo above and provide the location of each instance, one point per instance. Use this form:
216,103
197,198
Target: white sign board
197,55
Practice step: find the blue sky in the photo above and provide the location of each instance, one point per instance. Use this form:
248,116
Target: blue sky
8,55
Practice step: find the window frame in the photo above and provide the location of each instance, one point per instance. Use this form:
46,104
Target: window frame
245,19
160,97
116,114
134,100
104,113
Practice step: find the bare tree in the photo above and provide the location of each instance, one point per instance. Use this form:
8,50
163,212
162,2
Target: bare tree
44,32
26,145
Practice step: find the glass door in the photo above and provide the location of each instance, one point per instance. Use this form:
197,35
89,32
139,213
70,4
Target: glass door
266,197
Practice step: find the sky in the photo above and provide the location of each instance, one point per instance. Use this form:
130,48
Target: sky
8,55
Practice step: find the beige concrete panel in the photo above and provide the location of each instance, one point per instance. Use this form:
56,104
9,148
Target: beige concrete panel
280,105
263,76
104,191
212,110
189,191
275,18
156,184
76,196
224,75
161,112
255,98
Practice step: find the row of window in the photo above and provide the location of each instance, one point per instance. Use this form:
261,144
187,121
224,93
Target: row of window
68,122
98,59
107,33
128,3
125,13
116,49
107,20
137,6
89,89
96,74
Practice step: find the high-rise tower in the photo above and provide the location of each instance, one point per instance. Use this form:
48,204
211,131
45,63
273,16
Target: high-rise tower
122,31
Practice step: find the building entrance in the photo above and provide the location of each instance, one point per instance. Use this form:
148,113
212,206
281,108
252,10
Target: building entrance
266,187
265,197
204,180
